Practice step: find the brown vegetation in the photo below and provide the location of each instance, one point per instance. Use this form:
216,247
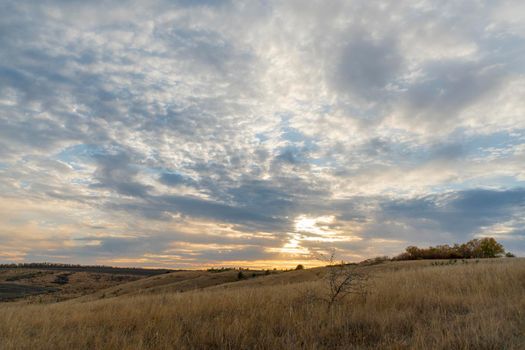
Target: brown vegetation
176,282
474,249
409,305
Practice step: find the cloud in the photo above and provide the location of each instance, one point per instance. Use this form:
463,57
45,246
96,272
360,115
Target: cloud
446,89
366,66
460,215
115,172
144,124
174,179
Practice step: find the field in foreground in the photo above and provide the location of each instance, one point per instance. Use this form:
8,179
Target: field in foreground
408,305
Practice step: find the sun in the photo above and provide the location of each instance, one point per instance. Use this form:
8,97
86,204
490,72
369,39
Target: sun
319,225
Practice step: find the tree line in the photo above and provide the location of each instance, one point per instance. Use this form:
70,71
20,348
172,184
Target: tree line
475,249
87,268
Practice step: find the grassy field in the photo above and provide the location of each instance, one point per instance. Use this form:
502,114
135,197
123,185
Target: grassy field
408,305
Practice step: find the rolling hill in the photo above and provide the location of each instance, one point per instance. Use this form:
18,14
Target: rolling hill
405,305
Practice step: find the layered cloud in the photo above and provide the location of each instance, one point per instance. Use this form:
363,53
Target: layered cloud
198,133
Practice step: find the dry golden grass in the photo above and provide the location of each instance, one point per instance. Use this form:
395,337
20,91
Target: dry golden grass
409,306
179,281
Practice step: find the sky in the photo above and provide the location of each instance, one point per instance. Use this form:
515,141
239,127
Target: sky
190,134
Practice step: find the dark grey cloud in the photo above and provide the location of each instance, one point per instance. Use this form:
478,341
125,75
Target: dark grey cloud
116,172
448,150
174,179
490,202
447,87
366,65
210,209
460,214
264,196
206,51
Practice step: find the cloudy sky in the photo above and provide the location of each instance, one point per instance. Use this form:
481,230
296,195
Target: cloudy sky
258,133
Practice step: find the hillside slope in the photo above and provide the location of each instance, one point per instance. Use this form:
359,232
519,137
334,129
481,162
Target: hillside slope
408,305
179,281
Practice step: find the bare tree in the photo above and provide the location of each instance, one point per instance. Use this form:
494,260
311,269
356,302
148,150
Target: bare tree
341,280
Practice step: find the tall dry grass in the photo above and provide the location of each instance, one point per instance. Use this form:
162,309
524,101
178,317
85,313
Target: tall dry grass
471,306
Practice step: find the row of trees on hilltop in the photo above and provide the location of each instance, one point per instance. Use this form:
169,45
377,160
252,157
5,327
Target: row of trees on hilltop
46,265
87,268
474,249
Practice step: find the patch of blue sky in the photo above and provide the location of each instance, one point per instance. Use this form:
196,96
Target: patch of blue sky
498,145
293,135
463,145
78,181
489,182
79,153
323,162
261,137
498,138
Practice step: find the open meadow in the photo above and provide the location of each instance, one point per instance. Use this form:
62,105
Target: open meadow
407,305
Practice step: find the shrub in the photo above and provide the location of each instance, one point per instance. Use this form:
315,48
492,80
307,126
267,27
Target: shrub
341,280
61,279
299,267
375,261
